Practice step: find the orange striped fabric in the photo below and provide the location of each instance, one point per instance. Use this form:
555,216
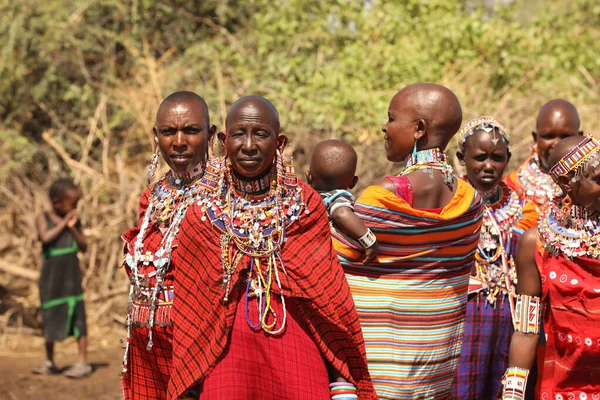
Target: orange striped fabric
411,301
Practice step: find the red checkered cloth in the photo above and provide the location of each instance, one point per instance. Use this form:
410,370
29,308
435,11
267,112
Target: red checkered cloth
314,281
259,366
148,372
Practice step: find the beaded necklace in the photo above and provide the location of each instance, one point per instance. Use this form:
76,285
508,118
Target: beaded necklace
429,160
536,185
167,207
495,268
254,226
570,230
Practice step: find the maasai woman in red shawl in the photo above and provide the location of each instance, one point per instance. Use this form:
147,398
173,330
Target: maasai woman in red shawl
560,263
263,310
483,149
411,300
556,120
181,135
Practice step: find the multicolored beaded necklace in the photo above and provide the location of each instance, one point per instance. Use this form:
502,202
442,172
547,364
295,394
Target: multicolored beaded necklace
570,230
254,225
430,160
167,207
536,185
495,268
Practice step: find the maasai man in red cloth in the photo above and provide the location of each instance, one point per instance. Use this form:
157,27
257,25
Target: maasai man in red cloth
411,299
558,271
263,310
181,135
556,120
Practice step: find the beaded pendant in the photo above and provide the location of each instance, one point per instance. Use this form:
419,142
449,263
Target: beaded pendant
428,161
535,185
254,226
167,208
570,230
495,269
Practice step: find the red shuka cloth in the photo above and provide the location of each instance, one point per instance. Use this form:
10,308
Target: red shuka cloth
148,372
571,298
256,365
315,282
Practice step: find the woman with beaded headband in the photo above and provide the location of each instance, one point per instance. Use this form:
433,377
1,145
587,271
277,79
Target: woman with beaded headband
181,134
557,119
264,310
411,300
558,267
483,149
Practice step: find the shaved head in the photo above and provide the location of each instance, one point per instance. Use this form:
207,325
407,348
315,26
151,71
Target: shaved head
333,165
438,106
253,108
557,119
558,110
183,97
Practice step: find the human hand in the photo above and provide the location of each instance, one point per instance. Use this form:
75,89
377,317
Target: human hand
371,253
72,217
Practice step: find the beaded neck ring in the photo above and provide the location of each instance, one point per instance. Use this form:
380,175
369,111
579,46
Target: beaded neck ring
484,123
536,185
577,160
567,228
495,268
570,230
254,225
167,207
429,160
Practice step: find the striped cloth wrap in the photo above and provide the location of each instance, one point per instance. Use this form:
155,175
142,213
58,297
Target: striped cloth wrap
412,299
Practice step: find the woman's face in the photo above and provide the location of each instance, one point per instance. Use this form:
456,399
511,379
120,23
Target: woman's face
252,138
485,160
399,129
586,190
183,133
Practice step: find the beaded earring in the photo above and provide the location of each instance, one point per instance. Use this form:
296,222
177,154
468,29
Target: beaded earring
153,164
414,151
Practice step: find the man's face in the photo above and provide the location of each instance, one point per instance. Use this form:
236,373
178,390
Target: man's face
183,133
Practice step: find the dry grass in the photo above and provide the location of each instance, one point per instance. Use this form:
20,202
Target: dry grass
113,184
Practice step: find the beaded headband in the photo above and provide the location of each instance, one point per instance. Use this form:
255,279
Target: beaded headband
576,159
484,123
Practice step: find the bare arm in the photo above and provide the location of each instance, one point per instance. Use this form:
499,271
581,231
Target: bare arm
77,232
524,345
354,227
49,235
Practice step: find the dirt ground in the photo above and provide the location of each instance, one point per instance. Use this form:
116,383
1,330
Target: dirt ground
17,381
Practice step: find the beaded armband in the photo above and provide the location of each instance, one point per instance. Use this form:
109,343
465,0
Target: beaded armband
342,391
527,314
514,383
368,239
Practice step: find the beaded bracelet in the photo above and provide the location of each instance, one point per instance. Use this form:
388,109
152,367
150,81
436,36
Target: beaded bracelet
514,383
368,239
342,391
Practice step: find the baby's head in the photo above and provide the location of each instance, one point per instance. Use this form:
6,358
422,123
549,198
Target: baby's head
575,167
64,195
332,166
483,149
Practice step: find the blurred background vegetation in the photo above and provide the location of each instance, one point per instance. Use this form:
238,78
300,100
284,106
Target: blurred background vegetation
80,81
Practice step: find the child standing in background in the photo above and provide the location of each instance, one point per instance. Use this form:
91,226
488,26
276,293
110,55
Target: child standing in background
61,295
331,174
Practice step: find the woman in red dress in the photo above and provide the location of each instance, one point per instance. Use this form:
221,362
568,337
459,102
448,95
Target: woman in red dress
263,310
558,266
